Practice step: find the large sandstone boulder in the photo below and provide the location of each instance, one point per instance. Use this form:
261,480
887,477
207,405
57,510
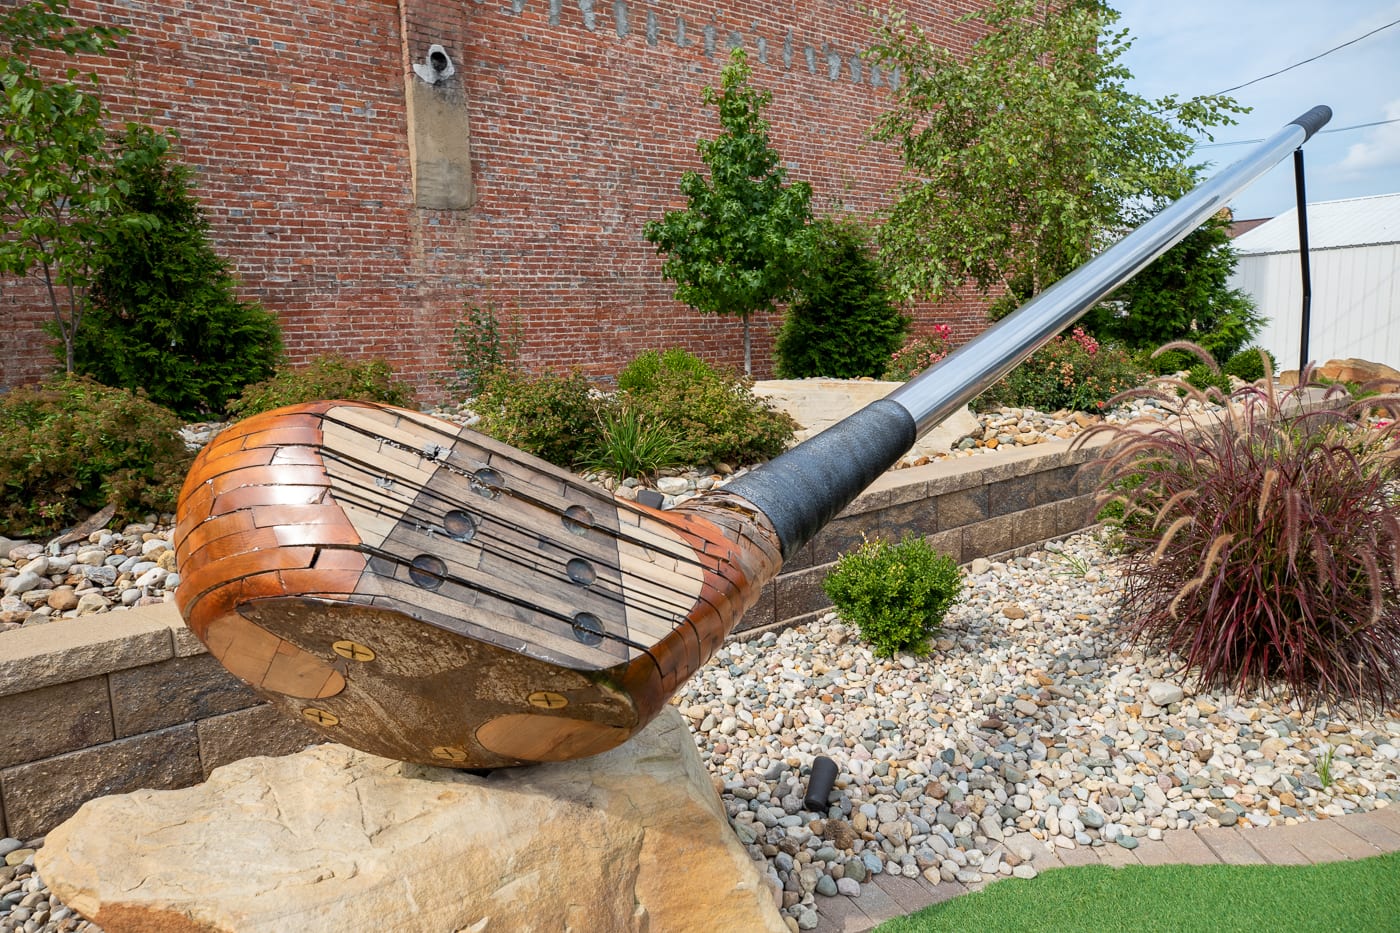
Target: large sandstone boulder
331,840
817,404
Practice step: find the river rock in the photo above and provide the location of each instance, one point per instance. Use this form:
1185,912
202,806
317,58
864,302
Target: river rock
323,840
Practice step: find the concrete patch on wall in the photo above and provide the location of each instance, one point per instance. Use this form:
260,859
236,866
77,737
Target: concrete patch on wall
439,137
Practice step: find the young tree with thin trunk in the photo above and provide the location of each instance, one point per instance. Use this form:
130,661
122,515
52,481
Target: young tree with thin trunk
60,197
739,244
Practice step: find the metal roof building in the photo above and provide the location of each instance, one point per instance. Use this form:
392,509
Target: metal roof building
1354,250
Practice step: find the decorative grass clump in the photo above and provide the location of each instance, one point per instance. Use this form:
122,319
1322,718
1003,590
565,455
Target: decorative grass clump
1264,549
896,594
630,444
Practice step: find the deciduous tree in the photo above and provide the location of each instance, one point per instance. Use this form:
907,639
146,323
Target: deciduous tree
738,245
1027,152
60,199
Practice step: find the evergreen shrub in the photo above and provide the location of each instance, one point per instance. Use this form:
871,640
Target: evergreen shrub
843,324
72,446
163,314
896,594
1251,364
325,377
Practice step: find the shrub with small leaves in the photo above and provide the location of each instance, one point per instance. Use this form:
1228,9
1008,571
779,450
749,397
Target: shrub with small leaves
550,415
72,446
896,594
1074,372
325,377
919,353
1251,364
651,367
716,411
1264,547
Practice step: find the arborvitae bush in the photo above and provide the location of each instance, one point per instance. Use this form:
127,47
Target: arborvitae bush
896,594
324,377
163,315
72,446
1184,295
1264,549
843,324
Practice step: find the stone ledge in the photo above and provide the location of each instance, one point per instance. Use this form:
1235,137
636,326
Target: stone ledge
143,664
71,649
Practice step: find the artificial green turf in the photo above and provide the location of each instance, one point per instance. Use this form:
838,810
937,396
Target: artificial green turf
1348,897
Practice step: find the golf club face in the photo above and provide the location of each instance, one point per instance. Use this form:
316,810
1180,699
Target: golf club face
416,590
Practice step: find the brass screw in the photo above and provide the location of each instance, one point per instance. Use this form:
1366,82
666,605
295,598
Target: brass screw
548,699
321,717
353,650
450,753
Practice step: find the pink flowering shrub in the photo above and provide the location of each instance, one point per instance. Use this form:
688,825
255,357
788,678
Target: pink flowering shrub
1074,372
919,353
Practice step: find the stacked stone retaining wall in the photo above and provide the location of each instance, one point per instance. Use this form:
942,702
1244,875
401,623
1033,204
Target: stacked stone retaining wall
118,701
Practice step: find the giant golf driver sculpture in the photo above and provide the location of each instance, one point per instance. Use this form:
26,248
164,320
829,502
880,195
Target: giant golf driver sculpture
415,590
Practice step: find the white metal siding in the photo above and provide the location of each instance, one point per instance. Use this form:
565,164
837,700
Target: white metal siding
1355,303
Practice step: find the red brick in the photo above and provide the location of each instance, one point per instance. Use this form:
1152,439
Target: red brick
293,115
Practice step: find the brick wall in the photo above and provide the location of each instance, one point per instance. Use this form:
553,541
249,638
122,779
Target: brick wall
582,114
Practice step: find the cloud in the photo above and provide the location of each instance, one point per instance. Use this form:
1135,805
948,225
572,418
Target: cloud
1379,150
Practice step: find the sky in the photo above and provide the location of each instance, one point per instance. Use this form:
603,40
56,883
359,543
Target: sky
1193,47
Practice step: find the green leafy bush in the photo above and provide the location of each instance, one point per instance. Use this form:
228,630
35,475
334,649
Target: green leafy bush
896,594
843,324
1074,372
325,377
162,314
921,352
1184,295
651,368
715,411
1251,364
1204,376
72,446
549,415
630,444
1264,548
479,345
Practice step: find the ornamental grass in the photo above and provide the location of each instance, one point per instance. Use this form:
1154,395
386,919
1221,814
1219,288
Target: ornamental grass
1263,548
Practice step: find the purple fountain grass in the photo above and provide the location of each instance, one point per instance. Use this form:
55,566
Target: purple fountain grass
1264,548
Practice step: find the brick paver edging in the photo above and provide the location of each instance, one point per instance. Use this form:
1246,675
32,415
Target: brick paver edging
1355,836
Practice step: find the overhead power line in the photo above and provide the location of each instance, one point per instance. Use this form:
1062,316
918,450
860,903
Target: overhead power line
1274,74
1340,129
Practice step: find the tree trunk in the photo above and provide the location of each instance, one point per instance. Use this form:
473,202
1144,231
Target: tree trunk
748,357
